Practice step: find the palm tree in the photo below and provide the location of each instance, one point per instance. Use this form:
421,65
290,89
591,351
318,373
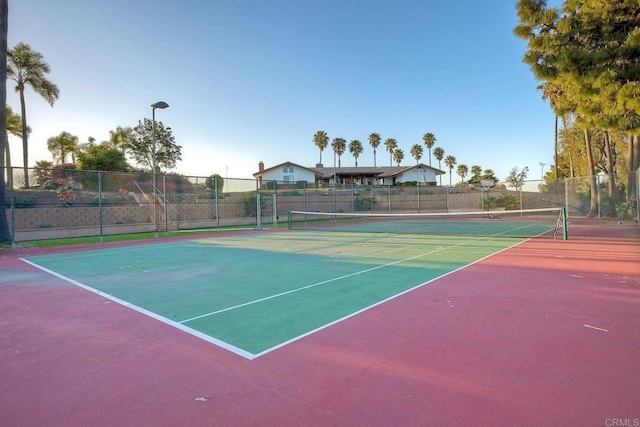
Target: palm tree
462,170
398,156
450,161
355,148
390,145
438,153
120,137
339,145
321,140
13,127
374,141
476,170
429,140
28,68
61,145
416,152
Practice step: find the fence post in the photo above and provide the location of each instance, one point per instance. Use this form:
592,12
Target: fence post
215,192
100,205
13,208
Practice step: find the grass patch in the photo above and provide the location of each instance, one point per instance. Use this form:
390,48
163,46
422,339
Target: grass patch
70,241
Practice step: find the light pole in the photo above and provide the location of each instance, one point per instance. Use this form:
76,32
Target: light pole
161,105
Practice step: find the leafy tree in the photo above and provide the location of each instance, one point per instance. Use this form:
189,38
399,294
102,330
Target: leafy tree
103,157
5,234
416,152
517,177
339,145
374,141
61,145
429,140
438,153
587,56
168,153
215,183
28,68
321,140
355,148
450,161
390,145
398,156
462,170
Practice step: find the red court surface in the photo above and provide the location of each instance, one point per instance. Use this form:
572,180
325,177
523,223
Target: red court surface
545,333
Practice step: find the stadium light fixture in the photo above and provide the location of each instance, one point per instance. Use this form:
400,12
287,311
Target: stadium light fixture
161,105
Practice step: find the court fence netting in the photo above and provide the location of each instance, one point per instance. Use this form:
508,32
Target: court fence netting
64,202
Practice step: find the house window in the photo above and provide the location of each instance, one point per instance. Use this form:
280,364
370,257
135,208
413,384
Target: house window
287,173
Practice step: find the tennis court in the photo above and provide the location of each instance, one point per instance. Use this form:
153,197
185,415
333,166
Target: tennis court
335,322
251,294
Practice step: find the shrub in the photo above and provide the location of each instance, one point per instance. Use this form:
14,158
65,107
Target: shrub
20,203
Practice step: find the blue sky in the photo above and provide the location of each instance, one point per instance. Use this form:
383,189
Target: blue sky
251,80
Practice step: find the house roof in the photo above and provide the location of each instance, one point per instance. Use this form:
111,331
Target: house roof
377,171
260,173
372,171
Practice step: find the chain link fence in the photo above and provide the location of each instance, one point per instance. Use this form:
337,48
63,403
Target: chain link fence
63,202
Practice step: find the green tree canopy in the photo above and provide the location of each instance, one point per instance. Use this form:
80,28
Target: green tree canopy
102,157
168,153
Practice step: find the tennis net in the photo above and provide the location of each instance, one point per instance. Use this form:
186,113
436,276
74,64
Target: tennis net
528,223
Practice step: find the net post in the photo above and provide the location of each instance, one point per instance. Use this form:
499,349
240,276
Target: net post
565,231
289,220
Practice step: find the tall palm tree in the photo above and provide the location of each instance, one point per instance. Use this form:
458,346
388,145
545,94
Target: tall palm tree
450,161
429,140
321,140
398,156
28,68
438,153
355,148
390,145
374,141
61,145
5,234
416,152
462,170
339,145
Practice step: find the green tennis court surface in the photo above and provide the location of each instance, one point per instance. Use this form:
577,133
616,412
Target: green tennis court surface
254,293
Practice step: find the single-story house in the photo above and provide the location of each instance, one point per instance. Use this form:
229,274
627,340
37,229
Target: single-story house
363,175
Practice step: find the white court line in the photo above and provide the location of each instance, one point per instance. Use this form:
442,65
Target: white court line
597,329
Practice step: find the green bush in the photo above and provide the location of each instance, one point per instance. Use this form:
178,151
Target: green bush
250,204
20,203
364,203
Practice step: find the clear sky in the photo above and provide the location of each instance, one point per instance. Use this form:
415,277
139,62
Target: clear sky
253,80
